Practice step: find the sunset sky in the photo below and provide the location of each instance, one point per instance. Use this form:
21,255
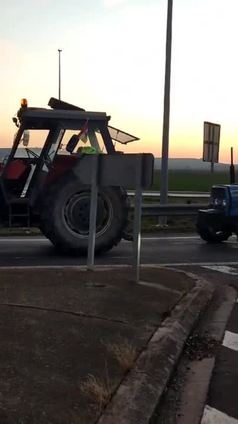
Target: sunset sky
113,60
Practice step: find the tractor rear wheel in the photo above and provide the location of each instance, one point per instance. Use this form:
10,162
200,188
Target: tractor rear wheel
65,216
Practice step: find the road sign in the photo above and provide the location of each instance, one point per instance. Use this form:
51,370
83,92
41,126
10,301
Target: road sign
211,141
134,171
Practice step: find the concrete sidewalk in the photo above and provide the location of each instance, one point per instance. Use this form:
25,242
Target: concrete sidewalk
80,347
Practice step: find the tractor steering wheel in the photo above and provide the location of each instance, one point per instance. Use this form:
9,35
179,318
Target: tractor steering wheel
30,152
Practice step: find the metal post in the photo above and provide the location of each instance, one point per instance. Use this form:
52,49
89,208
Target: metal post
165,137
59,50
137,219
212,158
93,212
232,169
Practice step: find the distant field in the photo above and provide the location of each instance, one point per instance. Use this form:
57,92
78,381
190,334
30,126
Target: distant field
191,180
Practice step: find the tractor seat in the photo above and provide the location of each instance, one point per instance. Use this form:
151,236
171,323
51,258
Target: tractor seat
16,176
16,169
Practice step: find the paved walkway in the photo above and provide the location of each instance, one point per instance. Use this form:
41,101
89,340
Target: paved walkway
70,337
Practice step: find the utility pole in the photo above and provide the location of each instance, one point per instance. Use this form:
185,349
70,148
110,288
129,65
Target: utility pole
59,50
165,136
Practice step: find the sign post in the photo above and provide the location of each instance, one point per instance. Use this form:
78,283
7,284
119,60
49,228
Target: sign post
130,171
232,169
137,216
211,141
93,212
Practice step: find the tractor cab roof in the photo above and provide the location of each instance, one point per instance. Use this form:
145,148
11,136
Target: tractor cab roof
67,116
46,118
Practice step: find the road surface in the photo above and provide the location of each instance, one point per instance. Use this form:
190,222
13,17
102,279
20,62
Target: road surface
161,250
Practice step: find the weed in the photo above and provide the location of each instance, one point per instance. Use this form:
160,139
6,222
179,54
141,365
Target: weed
124,353
97,389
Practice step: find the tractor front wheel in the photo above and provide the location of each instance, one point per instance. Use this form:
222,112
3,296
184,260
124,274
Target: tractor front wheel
212,235
212,226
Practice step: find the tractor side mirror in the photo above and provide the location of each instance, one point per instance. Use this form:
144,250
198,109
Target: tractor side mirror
72,143
15,120
26,138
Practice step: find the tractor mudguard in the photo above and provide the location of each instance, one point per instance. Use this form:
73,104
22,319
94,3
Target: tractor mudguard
210,216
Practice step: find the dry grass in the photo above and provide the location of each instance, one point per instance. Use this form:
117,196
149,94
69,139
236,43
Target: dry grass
97,389
124,352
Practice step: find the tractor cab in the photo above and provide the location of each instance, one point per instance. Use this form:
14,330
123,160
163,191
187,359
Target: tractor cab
45,140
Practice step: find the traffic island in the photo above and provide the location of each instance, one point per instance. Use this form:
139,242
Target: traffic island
85,347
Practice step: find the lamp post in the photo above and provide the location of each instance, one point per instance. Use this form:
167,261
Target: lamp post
59,50
165,136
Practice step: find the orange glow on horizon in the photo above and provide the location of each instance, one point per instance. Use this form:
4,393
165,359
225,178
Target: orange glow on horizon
178,148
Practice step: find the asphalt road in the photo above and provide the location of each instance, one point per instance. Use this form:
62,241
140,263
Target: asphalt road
158,249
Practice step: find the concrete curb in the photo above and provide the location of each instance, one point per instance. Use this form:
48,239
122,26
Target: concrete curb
200,372
140,392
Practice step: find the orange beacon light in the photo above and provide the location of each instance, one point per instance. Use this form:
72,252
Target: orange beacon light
23,102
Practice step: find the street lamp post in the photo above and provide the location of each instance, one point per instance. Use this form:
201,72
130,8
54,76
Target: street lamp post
59,50
165,136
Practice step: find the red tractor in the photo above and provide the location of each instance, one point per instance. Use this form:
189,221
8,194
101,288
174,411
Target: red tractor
40,187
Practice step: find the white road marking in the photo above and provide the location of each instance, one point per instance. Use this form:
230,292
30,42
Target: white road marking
14,240
213,416
150,265
201,264
101,266
231,240
172,238
34,239
222,268
230,340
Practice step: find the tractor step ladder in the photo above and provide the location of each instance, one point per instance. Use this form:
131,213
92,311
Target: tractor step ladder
19,209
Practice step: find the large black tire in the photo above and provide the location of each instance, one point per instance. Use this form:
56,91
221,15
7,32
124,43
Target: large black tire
212,235
65,216
212,227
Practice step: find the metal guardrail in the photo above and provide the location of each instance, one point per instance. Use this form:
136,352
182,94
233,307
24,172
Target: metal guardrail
155,209
176,194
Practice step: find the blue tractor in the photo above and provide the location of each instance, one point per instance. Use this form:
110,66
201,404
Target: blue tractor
217,223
